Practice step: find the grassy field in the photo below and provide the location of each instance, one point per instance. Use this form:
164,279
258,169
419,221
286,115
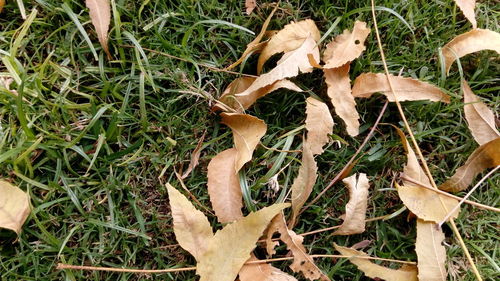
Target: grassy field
92,140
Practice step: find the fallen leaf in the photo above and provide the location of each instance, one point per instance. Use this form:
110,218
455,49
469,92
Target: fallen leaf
431,254
247,132
231,246
355,210
407,89
263,272
290,65
191,227
339,92
480,118
467,7
319,125
195,157
484,157
470,42
100,14
304,182
224,186
291,37
14,207
373,270
2,4
347,46
250,5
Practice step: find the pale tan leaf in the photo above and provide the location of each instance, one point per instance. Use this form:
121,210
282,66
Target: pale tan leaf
291,37
355,210
100,14
247,132
191,227
467,7
339,92
470,42
304,182
263,272
241,103
14,207
431,254
224,186
407,89
250,5
195,157
373,270
484,157
347,46
230,247
480,118
319,125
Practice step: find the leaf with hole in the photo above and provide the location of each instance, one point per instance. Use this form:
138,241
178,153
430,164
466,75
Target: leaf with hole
319,125
347,46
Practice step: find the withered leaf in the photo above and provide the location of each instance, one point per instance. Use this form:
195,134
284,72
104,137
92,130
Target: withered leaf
467,7
263,272
355,210
2,4
100,14
431,254
347,46
250,5
373,270
319,125
195,157
14,207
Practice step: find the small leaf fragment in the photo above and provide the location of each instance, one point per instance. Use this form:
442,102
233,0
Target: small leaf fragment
431,254
195,157
2,4
250,5
355,210
100,14
319,125
14,207
263,272
467,7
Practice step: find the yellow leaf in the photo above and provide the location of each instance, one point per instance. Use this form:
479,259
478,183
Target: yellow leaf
480,118
247,132
14,207
407,89
347,46
100,14
467,7
355,210
484,157
373,270
224,186
431,254
191,227
230,247
470,42
319,125
339,92
291,37
250,5
263,272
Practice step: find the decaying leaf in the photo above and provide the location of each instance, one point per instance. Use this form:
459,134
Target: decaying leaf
247,132
195,157
100,14
291,37
191,227
347,46
480,118
14,207
2,3
407,89
290,65
470,42
304,182
339,92
319,125
355,210
373,270
224,186
467,7
431,254
250,5
263,272
231,246
484,157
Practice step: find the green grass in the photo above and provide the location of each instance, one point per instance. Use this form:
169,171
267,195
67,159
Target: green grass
104,135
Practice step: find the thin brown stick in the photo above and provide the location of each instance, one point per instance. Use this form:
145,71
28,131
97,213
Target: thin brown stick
179,178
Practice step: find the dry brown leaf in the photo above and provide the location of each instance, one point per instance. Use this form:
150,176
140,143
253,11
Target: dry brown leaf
241,103
470,42
14,207
480,118
467,7
319,125
304,182
263,272
195,157
407,89
100,14
250,5
355,210
291,37
231,246
2,4
339,92
484,157
247,132
431,254
373,270
191,227
347,46
224,186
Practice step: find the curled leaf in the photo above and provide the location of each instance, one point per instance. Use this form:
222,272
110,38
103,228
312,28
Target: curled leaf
263,272
431,254
347,46
319,124
100,14
195,157
355,210
14,207
467,7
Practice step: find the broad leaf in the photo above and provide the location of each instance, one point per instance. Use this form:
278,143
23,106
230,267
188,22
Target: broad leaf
319,125
100,14
355,210
14,207
431,254
263,272
467,7
347,46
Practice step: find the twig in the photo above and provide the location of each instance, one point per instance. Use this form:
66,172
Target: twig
179,178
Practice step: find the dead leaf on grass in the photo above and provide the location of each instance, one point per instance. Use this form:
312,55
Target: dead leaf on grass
14,207
2,4
263,272
319,125
100,14
195,157
355,210
347,46
431,254
250,5
467,7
